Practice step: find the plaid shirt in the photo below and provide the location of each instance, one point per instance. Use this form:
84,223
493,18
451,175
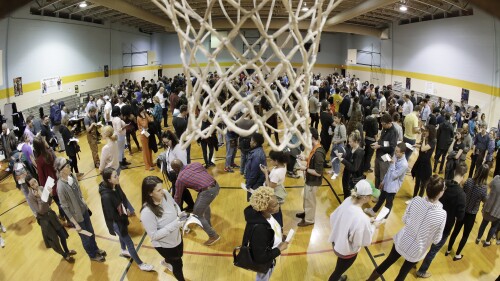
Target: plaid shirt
193,176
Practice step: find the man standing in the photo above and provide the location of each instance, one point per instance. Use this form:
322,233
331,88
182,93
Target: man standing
453,201
407,105
370,127
180,123
444,139
244,123
410,124
314,106
386,145
47,133
55,120
426,111
313,176
161,95
8,141
90,122
481,142
254,177
196,177
107,111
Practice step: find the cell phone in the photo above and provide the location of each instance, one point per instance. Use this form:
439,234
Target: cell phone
262,166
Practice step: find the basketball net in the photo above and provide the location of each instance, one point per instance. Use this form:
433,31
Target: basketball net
264,56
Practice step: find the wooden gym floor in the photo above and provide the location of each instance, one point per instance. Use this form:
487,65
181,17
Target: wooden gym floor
309,256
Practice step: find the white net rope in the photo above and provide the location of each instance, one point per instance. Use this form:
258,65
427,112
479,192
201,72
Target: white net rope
261,62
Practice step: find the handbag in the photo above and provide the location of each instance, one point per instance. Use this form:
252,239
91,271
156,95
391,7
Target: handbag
244,258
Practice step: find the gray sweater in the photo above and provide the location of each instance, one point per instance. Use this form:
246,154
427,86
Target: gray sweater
71,199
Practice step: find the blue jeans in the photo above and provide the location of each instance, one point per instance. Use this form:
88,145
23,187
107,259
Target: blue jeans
244,157
230,152
408,152
89,243
339,147
264,276
432,254
126,243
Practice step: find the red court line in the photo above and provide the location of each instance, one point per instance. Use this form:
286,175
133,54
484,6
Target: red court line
231,254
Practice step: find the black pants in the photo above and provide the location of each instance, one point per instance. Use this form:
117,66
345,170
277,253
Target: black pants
385,196
440,153
476,161
62,237
346,188
207,155
467,223
368,155
390,260
164,112
341,267
74,164
314,120
173,256
186,195
291,163
420,187
493,229
132,133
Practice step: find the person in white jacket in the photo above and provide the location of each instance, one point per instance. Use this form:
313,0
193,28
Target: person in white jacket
424,221
351,228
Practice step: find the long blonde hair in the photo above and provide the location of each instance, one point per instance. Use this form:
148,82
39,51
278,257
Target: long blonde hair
109,132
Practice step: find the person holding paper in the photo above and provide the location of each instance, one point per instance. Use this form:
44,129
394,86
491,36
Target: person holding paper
338,142
263,231
76,209
353,163
444,138
424,221
143,120
351,228
120,129
386,144
422,170
53,233
91,125
276,179
313,173
161,217
393,180
114,207
71,145
109,152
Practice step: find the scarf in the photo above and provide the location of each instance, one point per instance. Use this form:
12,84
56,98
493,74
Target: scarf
311,154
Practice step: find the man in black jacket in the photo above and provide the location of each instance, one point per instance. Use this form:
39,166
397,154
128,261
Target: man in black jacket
386,145
370,127
453,201
345,104
444,139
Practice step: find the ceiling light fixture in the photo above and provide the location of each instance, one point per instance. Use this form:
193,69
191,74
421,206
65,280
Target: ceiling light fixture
83,4
305,9
403,8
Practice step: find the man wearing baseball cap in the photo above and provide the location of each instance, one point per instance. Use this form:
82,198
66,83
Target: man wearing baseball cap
351,228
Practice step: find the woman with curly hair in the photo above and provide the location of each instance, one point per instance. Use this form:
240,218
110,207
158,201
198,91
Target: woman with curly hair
263,231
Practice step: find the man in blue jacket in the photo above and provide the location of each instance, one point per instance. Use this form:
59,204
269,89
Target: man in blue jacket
254,177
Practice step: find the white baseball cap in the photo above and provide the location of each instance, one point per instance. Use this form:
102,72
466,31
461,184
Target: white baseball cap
364,187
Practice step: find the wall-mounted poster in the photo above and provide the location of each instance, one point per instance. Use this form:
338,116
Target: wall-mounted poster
76,89
465,95
51,85
18,86
408,83
106,71
429,88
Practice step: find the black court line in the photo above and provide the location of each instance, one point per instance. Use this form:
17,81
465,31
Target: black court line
131,260
13,207
379,255
366,248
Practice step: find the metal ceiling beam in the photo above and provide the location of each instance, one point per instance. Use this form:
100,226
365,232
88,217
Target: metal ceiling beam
64,7
100,11
417,9
84,9
7,7
50,4
462,8
360,9
134,11
430,5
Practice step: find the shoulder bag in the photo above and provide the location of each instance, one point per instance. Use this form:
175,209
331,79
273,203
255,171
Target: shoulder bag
245,260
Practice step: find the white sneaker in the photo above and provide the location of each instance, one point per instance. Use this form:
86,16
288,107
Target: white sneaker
2,242
408,201
370,212
334,176
2,228
146,267
125,254
167,265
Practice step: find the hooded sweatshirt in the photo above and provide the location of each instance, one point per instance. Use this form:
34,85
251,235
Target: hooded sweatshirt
111,201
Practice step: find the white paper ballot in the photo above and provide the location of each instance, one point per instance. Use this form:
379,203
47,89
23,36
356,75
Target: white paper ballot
386,144
290,235
85,232
73,139
99,123
190,220
47,189
382,214
244,187
409,146
145,133
386,157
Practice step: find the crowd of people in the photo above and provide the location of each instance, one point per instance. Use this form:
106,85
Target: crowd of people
352,125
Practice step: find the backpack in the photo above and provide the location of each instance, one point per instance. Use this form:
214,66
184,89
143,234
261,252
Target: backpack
55,114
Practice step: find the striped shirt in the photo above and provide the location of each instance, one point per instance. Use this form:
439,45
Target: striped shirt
193,176
474,194
424,224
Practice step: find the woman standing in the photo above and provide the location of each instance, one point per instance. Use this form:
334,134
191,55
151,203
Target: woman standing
475,191
208,145
424,221
454,154
54,234
157,114
129,117
327,126
262,231
119,128
143,119
353,163
114,202
160,216
422,170
351,228
276,179
491,212
72,147
173,151
339,138
109,152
